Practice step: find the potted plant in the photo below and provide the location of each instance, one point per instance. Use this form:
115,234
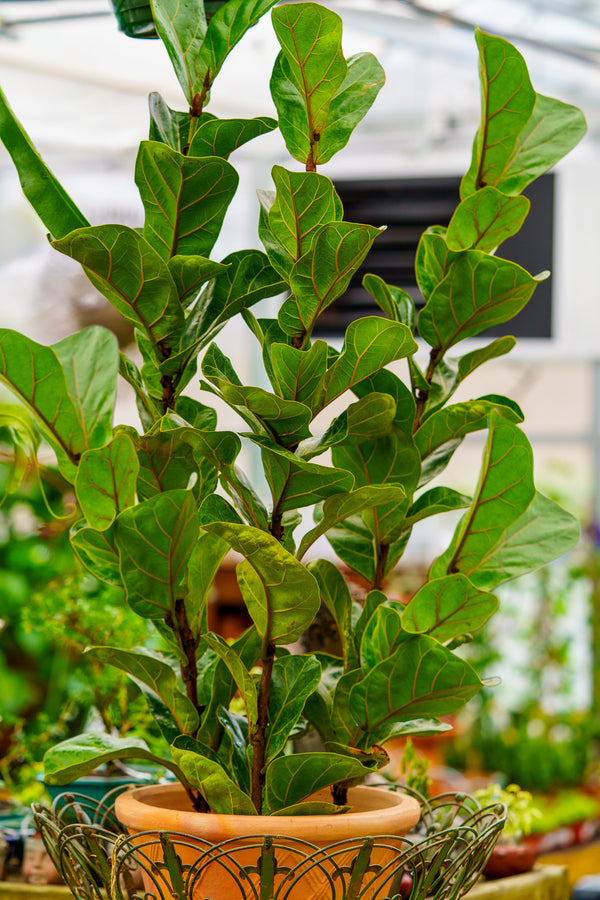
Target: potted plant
512,855
161,508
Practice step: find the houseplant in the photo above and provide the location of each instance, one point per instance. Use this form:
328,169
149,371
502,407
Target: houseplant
161,509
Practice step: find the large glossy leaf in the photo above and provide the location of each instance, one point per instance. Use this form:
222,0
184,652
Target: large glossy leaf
484,219
106,481
323,274
170,126
458,420
435,501
300,373
395,302
310,70
205,560
433,260
155,674
185,199
210,778
97,551
370,417
220,137
421,678
478,292
51,202
291,779
369,345
131,274
335,593
182,28
507,102
382,635
281,595
233,750
552,131
385,382
81,754
228,26
352,101
296,483
155,539
148,407
294,678
504,491
342,506
33,372
304,202
190,273
239,672
544,532
286,420
447,607
166,463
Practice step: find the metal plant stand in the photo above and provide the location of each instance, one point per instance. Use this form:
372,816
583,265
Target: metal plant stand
440,860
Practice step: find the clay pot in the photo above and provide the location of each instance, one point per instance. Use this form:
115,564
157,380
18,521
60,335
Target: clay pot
166,808
510,859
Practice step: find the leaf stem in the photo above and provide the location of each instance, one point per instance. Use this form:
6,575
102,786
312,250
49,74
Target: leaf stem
435,356
382,556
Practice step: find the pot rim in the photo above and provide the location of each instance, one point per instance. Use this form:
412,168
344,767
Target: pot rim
391,813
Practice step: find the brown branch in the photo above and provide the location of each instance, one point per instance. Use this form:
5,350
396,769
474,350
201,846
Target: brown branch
259,735
382,557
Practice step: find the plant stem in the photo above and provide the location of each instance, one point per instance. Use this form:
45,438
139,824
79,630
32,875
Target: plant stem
339,793
422,395
382,556
189,645
259,735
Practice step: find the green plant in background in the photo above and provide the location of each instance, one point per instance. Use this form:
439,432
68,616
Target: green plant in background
160,509
522,812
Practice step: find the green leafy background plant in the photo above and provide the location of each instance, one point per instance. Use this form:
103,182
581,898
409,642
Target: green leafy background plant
151,520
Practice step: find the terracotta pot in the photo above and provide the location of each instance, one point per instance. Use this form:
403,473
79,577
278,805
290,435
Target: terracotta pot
165,808
510,859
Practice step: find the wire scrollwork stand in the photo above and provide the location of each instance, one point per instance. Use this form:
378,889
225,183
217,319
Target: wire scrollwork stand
440,859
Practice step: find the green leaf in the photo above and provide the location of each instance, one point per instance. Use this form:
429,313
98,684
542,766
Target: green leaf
504,491
155,539
156,675
291,779
395,302
148,407
352,101
312,808
421,678
182,29
234,747
166,463
369,345
123,266
185,199
33,372
389,731
300,373
370,417
190,273
448,607
458,420
433,260
240,674
507,102
285,420
323,274
478,292
320,98
220,137
79,755
342,506
552,131
205,560
106,481
168,125
294,679
281,595
312,68
382,635
336,596
228,26
209,777
304,202
435,501
47,196
544,532
97,551
485,219
296,483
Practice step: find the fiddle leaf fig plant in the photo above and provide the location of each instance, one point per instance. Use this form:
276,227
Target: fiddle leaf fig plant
161,506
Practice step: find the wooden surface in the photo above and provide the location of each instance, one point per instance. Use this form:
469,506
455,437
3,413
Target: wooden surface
543,883
581,860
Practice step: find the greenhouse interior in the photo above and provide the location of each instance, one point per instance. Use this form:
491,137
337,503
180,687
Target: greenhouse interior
278,562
